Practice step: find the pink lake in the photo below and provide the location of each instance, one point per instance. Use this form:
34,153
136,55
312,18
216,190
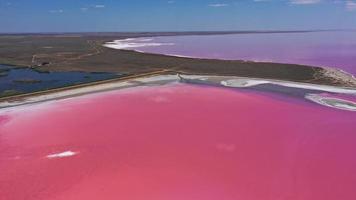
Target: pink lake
177,141
335,49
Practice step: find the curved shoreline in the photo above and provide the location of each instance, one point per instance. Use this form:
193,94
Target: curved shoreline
332,102
164,77
133,63
132,43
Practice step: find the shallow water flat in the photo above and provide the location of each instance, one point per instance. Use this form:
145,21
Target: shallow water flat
177,141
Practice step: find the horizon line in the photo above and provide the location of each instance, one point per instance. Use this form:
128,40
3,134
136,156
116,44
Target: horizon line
196,31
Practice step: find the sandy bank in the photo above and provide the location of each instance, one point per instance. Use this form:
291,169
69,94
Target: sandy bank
225,81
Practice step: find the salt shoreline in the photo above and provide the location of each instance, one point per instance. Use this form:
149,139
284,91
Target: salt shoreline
132,43
223,81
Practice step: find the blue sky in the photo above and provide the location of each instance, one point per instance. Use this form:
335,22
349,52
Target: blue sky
174,15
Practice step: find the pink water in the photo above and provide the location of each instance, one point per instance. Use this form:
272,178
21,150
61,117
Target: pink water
178,142
325,49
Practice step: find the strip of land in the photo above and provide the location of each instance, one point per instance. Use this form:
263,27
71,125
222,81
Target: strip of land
161,78
85,52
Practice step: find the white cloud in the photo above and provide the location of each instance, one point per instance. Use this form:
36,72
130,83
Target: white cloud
351,5
99,6
216,5
304,2
56,11
90,7
338,1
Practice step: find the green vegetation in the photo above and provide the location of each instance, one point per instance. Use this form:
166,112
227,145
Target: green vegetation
8,93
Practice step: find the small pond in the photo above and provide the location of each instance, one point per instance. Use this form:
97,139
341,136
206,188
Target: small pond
14,80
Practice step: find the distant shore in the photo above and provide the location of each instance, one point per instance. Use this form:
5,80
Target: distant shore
162,33
132,43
